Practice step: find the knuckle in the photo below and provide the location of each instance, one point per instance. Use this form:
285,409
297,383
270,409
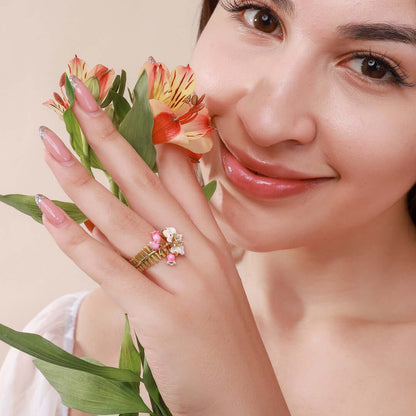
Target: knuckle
107,131
148,179
72,240
81,178
127,222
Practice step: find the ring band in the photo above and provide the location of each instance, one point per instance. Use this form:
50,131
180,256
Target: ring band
166,243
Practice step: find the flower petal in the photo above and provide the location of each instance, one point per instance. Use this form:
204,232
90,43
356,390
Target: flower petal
55,106
182,84
200,145
77,67
199,126
166,126
158,75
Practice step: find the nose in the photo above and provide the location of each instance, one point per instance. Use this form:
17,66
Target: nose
279,105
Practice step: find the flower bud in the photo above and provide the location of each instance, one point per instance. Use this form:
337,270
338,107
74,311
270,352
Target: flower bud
94,86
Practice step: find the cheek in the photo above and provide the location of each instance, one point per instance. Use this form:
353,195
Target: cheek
221,67
374,145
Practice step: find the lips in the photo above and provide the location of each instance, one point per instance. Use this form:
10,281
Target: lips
265,181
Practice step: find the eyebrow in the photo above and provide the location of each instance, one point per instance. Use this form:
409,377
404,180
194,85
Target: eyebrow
379,31
286,5
364,31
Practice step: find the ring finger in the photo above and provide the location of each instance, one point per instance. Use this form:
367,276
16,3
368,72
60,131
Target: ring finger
124,229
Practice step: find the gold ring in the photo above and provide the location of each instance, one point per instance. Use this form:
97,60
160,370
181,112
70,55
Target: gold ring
166,243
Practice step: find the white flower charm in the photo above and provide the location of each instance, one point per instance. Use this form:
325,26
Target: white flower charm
178,250
169,233
174,243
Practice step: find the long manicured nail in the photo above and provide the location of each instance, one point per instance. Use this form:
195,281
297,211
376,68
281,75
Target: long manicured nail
56,147
83,96
54,214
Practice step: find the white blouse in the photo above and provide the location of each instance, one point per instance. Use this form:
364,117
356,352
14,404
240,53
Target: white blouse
23,389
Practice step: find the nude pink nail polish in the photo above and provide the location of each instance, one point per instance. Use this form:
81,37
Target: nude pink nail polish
53,214
83,96
56,147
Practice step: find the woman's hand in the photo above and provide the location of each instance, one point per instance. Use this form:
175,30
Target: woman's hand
193,319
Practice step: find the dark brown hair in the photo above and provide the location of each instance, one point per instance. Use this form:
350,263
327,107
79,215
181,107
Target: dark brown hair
208,7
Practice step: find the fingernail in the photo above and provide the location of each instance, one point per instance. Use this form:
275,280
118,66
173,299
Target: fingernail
83,96
53,214
55,147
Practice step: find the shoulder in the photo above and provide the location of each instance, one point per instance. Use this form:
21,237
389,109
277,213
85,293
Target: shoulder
23,389
57,321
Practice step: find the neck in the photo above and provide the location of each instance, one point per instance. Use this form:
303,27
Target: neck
368,274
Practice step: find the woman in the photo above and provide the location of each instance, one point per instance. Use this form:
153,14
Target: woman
314,151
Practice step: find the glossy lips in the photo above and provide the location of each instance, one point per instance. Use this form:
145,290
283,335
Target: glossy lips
264,187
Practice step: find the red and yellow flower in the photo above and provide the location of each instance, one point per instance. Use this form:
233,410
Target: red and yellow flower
104,79
179,116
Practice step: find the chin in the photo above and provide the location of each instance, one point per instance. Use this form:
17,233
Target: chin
246,230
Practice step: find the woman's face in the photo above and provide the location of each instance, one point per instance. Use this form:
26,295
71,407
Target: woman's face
315,115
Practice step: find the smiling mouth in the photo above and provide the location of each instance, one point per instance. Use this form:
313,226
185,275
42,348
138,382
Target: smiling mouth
257,185
278,182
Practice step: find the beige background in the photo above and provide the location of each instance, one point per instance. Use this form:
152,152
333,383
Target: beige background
37,39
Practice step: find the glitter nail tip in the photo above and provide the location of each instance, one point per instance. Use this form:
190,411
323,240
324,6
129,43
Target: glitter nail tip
42,131
39,198
73,80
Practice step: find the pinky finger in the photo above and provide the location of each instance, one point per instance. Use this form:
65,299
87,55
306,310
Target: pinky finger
134,292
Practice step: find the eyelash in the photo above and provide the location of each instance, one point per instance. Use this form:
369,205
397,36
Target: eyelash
398,75
235,6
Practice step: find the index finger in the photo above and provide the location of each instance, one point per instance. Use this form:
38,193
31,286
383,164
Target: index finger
144,191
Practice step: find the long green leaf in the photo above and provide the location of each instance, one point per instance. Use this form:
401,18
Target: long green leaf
129,356
95,162
114,88
121,106
27,205
137,127
74,130
70,93
123,79
71,122
90,393
45,350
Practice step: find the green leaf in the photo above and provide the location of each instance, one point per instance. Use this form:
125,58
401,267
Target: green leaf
45,350
137,126
158,405
90,393
209,189
131,96
27,205
121,106
114,88
123,79
74,130
69,90
95,162
129,356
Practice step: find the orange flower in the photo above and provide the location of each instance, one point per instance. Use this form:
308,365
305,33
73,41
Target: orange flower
179,116
79,68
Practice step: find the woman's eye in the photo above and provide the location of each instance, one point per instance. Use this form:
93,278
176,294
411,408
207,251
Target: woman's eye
372,67
263,20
